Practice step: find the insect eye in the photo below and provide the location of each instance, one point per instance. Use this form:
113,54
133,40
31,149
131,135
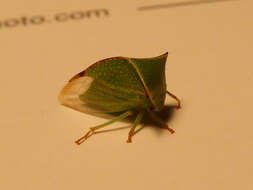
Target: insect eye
152,108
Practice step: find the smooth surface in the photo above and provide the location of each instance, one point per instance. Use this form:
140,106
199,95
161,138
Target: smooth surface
209,67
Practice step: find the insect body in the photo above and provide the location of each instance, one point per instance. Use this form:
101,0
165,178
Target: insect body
119,84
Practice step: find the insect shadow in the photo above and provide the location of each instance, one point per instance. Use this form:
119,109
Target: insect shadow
166,114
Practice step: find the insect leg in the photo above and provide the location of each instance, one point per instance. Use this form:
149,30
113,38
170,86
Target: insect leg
93,129
160,122
136,122
173,96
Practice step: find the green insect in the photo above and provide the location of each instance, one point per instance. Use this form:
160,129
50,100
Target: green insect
119,85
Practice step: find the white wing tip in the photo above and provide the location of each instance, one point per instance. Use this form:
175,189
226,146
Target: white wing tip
69,95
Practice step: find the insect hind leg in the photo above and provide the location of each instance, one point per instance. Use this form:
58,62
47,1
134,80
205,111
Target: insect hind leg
176,98
93,129
160,122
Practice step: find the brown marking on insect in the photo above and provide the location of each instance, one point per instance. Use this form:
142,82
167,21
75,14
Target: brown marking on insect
163,55
81,74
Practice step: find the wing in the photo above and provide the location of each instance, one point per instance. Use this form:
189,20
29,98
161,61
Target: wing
110,85
69,95
107,98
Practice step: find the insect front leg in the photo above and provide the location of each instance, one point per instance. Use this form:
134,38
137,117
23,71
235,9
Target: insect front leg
160,122
136,122
93,129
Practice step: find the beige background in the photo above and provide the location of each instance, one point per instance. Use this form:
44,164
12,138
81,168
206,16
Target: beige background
209,67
